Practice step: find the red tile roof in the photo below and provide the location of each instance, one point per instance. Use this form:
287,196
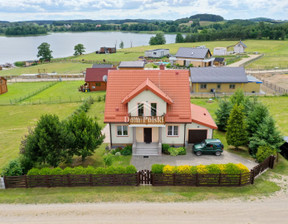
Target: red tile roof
96,74
173,84
147,85
200,115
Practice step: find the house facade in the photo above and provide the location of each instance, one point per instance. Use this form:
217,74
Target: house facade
220,51
3,85
157,53
198,57
147,108
96,79
222,80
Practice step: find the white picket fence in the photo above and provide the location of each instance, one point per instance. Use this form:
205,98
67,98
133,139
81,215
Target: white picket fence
2,184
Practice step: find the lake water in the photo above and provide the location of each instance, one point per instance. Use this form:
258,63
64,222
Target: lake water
62,44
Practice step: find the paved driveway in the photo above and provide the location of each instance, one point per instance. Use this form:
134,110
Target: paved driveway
142,163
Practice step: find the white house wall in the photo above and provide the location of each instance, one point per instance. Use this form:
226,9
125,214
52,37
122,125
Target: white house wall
121,139
173,140
147,97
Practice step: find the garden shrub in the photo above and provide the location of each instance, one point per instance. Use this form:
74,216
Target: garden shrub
263,152
13,168
108,159
242,168
82,171
169,169
231,168
213,169
130,169
118,154
127,151
201,169
165,148
118,149
157,168
185,169
193,169
177,151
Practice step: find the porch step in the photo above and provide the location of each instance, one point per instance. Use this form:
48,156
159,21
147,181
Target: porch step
146,152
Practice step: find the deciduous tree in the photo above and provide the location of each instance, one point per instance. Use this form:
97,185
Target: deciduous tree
79,49
44,52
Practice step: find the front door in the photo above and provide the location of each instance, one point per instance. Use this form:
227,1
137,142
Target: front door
147,135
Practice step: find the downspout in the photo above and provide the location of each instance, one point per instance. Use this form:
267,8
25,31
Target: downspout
110,135
184,134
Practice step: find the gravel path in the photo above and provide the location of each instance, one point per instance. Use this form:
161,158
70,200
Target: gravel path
244,60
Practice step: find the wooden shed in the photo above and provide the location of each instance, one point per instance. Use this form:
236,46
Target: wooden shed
107,50
3,85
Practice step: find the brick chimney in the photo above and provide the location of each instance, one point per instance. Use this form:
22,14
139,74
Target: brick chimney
162,67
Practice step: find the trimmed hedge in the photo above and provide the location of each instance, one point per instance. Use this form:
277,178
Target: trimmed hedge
82,171
229,168
173,151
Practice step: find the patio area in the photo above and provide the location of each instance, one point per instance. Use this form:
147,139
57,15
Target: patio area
141,163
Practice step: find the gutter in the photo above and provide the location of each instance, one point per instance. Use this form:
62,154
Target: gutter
110,135
184,134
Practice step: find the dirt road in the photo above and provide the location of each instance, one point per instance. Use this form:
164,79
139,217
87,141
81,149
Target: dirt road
267,211
244,60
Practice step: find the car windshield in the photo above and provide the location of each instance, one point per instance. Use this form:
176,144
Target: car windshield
203,143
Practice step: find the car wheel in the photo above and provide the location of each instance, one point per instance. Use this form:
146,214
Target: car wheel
198,153
218,153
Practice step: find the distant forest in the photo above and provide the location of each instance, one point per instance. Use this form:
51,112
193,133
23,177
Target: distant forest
200,27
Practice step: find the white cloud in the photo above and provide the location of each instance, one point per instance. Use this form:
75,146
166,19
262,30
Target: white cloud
14,10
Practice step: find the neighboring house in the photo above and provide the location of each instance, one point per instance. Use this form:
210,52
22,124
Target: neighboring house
219,62
149,108
220,51
3,85
157,53
106,50
134,65
102,66
238,48
198,57
96,79
222,80
30,63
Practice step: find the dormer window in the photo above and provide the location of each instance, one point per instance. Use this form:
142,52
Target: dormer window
140,109
153,109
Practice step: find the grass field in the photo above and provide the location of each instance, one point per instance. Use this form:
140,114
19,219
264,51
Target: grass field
63,92
60,68
17,90
276,55
15,121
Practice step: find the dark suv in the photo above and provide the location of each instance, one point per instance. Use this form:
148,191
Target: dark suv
208,146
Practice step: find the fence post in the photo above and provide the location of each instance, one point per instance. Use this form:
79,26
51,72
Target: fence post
252,176
197,180
2,182
26,182
91,180
174,179
219,181
240,177
271,162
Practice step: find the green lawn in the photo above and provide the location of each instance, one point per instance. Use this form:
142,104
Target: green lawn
61,68
63,92
18,90
261,188
15,121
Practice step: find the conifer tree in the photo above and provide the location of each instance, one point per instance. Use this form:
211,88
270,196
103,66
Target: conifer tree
222,114
236,128
266,135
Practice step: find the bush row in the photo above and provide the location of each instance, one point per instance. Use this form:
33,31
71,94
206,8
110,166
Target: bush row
82,171
126,151
229,168
166,149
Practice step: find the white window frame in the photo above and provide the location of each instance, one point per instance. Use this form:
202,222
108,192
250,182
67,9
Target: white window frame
174,131
122,130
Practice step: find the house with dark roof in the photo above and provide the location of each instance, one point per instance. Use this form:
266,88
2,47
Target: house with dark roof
106,50
96,79
222,80
157,53
134,65
219,62
146,108
102,66
189,56
3,85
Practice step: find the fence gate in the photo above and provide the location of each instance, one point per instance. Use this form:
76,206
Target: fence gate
144,177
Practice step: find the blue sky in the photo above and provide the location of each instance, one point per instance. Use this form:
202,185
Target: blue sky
19,10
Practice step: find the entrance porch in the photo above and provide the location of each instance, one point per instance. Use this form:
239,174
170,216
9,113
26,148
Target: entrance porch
147,140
